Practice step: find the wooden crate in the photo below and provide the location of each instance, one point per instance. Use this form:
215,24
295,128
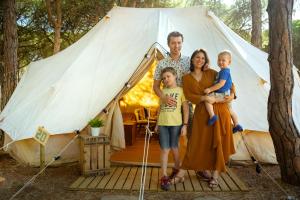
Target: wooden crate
94,155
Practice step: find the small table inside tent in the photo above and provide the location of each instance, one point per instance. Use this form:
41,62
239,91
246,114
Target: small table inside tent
130,132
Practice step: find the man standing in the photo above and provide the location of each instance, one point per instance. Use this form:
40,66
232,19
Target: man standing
179,62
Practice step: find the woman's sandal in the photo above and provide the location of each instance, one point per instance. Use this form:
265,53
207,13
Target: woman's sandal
203,175
177,179
174,173
213,183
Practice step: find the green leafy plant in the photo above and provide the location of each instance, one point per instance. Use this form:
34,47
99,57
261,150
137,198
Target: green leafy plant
96,123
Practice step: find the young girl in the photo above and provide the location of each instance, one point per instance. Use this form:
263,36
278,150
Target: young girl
221,89
170,124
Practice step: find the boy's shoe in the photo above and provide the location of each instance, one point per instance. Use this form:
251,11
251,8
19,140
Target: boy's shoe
174,173
212,120
237,128
165,183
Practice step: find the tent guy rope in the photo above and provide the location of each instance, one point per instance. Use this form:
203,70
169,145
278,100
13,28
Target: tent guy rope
6,146
260,168
48,164
148,134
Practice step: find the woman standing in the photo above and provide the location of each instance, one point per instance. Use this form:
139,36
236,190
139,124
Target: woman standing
209,147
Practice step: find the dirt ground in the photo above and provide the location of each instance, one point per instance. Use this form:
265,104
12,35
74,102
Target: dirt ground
53,184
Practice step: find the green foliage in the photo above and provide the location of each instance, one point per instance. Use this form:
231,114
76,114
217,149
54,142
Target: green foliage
217,6
96,123
36,36
236,16
296,42
265,40
160,4
239,18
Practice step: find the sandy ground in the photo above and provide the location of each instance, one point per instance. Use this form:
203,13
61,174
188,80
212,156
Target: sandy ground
53,184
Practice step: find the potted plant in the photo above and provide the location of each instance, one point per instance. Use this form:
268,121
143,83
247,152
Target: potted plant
96,125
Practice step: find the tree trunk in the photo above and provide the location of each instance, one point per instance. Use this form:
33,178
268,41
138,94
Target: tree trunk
55,22
256,23
124,3
284,133
10,46
133,4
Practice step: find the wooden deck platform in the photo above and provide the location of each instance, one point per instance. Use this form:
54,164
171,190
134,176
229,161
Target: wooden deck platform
128,178
133,155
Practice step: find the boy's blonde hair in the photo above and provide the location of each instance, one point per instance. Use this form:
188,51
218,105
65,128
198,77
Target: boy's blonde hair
225,53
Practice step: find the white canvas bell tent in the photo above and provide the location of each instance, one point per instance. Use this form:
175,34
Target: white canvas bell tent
63,92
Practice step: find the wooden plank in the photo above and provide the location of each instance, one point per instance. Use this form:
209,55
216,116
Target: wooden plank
148,176
137,180
129,181
86,182
100,156
179,187
229,182
95,182
106,179
194,180
222,184
87,159
158,182
154,179
122,178
236,179
114,178
187,182
94,160
81,155
77,182
106,155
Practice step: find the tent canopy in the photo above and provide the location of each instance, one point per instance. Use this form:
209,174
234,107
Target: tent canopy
63,92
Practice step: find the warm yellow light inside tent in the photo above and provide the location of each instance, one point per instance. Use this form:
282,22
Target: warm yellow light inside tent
142,93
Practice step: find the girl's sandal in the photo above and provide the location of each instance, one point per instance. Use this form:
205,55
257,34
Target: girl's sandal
177,179
213,183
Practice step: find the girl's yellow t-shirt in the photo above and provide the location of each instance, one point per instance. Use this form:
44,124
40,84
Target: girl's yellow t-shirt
171,115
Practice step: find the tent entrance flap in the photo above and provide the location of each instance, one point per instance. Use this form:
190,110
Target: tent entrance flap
136,93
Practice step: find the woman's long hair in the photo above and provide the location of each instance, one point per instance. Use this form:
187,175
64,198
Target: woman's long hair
192,67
